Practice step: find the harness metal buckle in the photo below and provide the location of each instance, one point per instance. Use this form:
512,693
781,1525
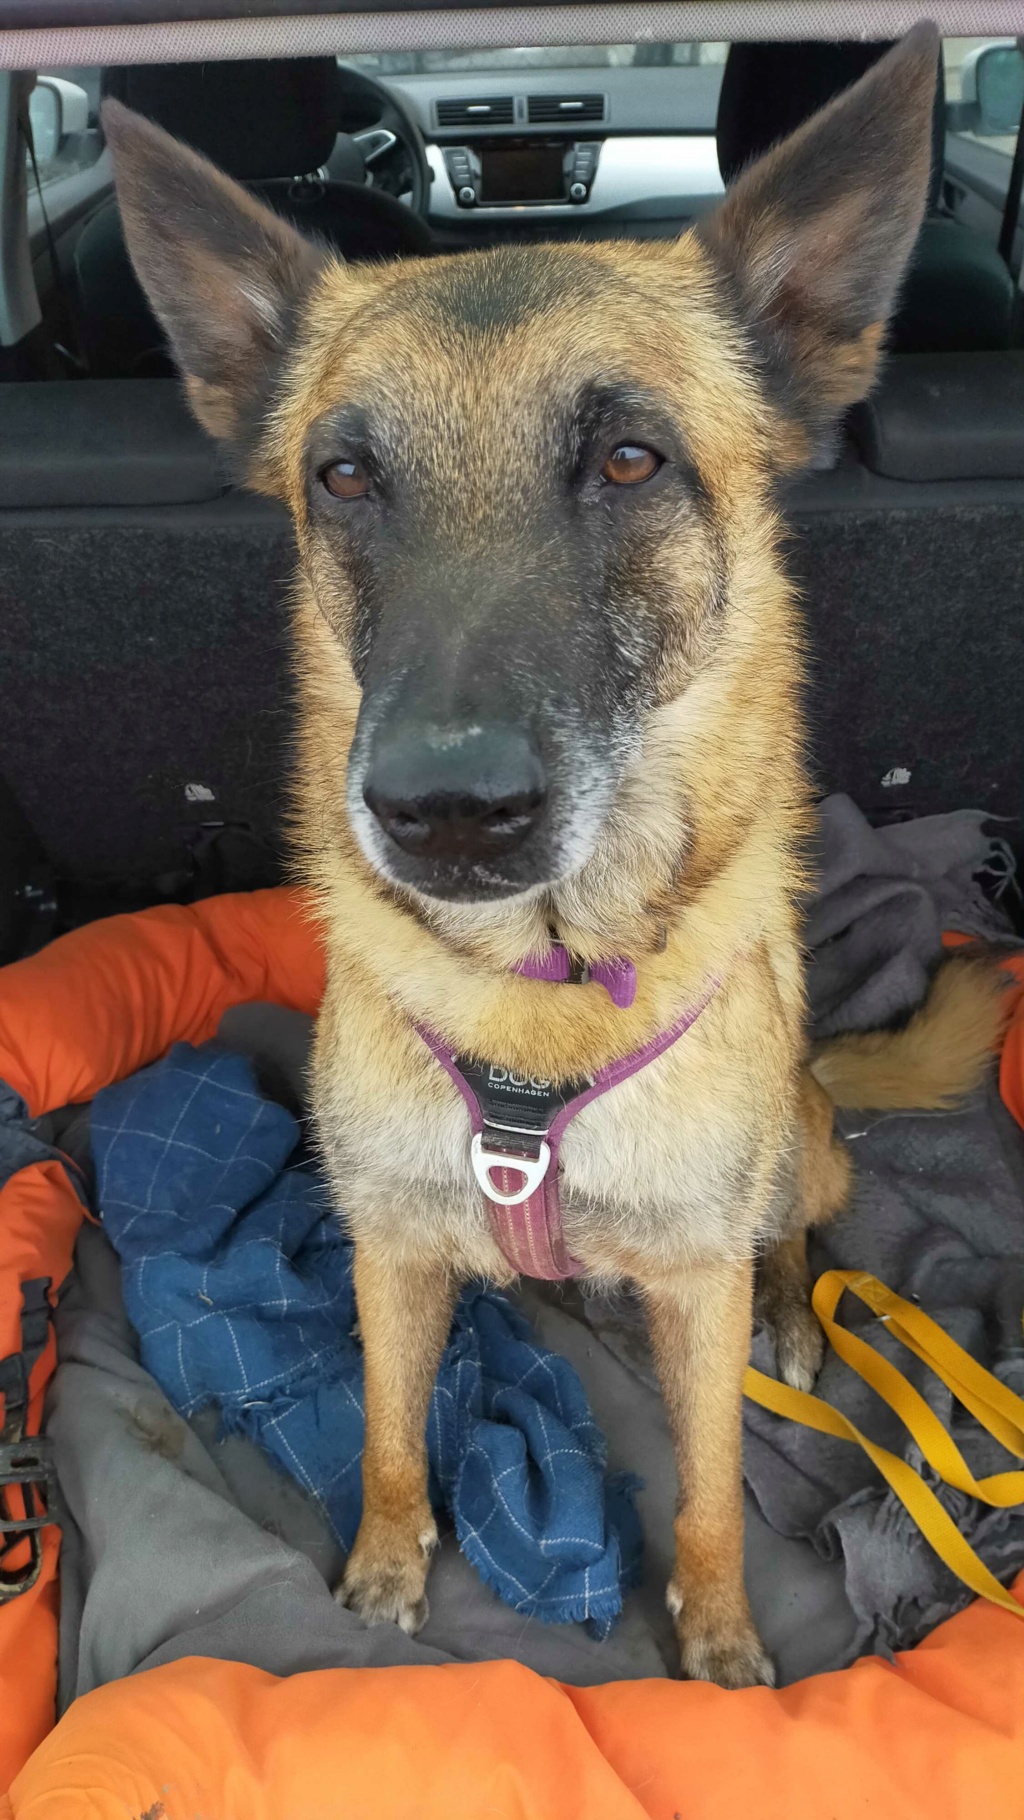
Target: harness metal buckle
532,1169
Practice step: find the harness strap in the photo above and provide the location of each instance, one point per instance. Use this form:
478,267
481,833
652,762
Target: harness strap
993,1405
522,1190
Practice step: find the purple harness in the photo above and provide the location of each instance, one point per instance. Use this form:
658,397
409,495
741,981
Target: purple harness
518,1122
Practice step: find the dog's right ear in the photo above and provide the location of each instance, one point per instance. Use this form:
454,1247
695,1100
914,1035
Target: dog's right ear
225,276
815,236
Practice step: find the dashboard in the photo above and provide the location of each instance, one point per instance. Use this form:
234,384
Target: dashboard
513,152
661,177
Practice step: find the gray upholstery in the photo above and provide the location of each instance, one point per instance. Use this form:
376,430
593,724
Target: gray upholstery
107,444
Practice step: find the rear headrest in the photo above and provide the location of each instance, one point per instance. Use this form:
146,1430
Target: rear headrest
256,119
768,90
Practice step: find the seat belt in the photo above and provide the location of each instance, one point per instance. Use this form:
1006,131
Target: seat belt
1011,207
992,1404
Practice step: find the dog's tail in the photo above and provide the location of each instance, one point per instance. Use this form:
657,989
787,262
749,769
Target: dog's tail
933,1061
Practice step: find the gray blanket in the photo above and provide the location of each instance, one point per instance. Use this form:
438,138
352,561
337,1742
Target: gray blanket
937,1213
177,1543
881,899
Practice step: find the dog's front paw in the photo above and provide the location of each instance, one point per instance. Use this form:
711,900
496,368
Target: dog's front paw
732,1656
386,1573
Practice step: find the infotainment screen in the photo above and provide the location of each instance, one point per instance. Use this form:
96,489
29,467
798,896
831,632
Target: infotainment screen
519,172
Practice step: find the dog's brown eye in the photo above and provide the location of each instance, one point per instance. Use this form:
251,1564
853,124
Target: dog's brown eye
346,480
628,466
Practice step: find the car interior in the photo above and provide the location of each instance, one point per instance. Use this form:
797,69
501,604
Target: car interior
144,688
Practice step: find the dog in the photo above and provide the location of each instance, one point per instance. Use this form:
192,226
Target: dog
549,668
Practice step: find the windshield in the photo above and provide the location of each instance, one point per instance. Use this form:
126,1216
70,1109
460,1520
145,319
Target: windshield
538,57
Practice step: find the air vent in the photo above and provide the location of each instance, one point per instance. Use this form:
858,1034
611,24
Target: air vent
483,110
543,109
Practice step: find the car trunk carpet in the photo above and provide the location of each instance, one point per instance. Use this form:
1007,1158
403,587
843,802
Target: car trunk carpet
180,1541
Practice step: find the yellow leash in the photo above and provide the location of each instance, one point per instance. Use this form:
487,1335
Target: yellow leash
998,1410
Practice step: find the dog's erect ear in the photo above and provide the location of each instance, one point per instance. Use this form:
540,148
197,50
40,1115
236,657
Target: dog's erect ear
815,236
224,274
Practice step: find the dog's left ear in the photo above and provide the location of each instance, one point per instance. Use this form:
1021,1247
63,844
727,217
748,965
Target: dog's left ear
815,236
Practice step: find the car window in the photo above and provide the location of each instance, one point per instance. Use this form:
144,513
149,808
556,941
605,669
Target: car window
542,57
985,90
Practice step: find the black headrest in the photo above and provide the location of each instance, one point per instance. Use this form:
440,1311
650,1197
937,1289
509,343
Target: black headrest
257,119
768,90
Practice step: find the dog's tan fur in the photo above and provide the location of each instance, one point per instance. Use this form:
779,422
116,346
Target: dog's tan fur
939,1055
721,1153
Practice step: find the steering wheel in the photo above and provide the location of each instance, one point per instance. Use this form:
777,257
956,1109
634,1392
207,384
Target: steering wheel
381,140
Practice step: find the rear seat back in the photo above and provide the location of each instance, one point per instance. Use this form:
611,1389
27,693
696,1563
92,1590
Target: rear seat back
144,688
938,419
144,677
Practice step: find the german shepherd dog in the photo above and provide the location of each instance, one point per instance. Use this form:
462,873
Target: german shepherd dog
550,672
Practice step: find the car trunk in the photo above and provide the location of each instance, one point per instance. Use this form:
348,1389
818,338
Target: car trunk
145,734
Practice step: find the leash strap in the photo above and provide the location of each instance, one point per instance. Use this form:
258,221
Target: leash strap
993,1405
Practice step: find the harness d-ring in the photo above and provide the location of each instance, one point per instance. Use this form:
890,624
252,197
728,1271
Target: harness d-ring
533,1170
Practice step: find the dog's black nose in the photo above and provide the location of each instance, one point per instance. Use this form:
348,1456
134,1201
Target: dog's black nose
457,793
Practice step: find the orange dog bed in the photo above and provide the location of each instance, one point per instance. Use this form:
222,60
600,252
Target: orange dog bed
937,1734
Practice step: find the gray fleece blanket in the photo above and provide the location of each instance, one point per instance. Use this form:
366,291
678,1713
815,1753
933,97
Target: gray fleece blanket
882,898
937,1213
180,1543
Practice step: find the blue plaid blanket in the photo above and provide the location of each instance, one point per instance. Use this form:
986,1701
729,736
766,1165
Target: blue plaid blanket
238,1280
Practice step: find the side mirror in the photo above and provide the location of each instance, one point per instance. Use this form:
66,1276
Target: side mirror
56,109
999,78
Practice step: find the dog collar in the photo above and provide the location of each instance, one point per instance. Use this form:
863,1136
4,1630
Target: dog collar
617,976
517,1123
